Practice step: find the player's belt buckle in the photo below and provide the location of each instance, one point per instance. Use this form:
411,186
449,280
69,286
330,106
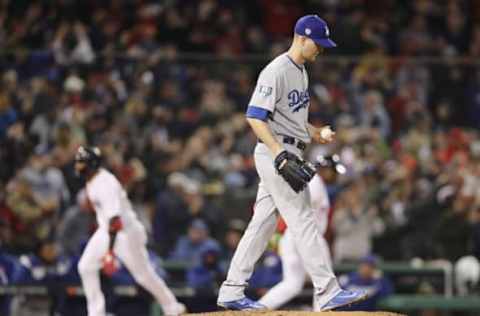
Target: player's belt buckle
292,141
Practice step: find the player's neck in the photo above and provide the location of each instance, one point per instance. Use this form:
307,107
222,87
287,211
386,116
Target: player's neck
296,55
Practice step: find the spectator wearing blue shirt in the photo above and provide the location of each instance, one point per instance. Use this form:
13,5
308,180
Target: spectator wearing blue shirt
189,247
49,267
8,115
232,237
10,271
267,273
205,276
369,279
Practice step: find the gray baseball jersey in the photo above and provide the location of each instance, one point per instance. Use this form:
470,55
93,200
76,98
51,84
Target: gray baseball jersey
282,89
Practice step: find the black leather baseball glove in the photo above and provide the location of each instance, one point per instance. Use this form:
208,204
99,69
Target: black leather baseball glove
295,171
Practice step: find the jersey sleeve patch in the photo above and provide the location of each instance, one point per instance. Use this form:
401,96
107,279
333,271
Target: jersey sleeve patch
265,90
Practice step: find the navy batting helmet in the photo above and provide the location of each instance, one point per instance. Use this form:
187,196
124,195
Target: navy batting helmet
91,156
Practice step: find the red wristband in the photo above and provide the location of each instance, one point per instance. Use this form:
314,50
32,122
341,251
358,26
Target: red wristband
115,224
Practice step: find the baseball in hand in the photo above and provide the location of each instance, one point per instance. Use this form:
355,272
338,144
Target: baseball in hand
326,133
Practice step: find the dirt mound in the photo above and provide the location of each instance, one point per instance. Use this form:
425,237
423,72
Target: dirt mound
298,313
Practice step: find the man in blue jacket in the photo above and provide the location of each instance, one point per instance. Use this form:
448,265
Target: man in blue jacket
370,280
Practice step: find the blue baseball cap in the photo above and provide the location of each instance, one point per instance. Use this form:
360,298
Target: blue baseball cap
315,28
370,260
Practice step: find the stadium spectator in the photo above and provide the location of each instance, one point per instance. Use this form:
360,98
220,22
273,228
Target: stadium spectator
76,225
189,248
234,232
205,276
369,278
266,274
121,75
355,221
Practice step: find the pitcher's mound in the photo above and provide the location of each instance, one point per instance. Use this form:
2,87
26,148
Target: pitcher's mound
298,313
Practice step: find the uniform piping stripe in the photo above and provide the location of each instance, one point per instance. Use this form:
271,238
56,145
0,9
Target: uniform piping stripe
299,68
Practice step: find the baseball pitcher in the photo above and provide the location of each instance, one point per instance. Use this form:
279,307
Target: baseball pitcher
278,115
119,234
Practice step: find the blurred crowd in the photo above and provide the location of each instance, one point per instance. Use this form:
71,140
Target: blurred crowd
114,74
78,30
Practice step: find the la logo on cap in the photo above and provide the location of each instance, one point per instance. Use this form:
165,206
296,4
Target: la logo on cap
316,29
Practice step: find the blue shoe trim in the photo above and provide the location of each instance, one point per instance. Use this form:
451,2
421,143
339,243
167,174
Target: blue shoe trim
344,298
242,304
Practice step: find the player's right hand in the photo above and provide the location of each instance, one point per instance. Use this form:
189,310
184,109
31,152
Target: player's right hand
109,263
322,135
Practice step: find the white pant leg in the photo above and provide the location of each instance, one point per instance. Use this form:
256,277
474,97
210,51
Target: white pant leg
130,247
294,275
88,267
250,248
296,210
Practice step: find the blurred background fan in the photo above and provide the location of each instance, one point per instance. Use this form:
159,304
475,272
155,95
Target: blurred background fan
161,87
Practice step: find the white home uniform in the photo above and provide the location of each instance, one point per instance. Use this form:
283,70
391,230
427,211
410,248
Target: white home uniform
294,273
282,90
109,199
